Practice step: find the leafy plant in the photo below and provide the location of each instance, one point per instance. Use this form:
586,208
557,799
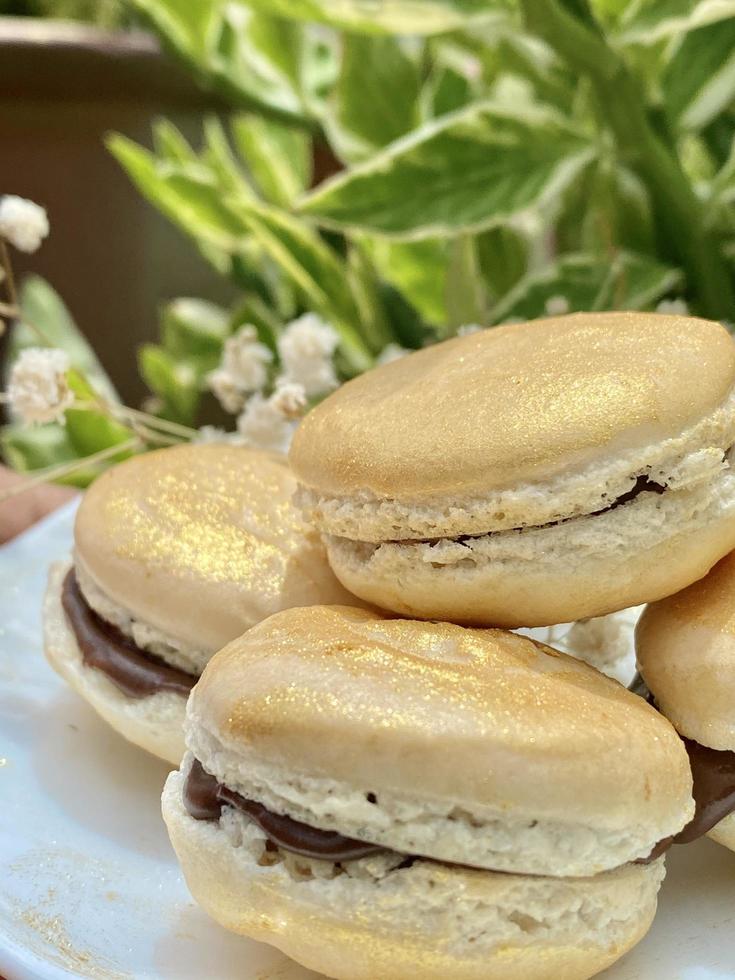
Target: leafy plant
485,160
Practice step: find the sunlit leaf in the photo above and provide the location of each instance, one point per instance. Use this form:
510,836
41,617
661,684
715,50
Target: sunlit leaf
278,157
648,21
376,98
588,282
391,16
700,79
465,171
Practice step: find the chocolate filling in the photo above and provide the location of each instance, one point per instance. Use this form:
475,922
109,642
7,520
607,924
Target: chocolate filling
641,485
102,646
713,773
204,798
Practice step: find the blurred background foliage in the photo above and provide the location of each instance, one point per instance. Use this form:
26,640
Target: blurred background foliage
103,13
410,167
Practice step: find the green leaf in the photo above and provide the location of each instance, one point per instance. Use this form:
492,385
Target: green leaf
246,56
174,379
588,282
417,269
218,156
90,431
317,272
194,328
394,17
365,286
183,23
27,449
170,143
254,60
278,157
503,257
252,310
43,307
465,299
445,90
700,79
649,21
469,170
190,196
376,98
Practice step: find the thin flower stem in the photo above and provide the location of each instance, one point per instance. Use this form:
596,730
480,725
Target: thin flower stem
14,312
64,469
9,277
175,428
137,420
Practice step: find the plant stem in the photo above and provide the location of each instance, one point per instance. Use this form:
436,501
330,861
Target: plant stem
64,469
679,213
9,277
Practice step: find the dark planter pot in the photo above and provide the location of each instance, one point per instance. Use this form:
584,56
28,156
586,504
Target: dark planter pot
110,255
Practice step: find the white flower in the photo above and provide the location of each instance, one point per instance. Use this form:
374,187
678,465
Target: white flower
209,434
468,328
601,642
38,390
246,360
226,390
390,353
673,306
22,223
306,347
557,305
289,398
268,423
263,426
243,369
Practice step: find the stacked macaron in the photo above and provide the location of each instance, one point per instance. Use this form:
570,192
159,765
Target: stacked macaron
686,656
391,797
531,474
176,553
395,798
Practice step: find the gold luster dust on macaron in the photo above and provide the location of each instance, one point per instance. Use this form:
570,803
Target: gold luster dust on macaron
443,679
502,406
207,520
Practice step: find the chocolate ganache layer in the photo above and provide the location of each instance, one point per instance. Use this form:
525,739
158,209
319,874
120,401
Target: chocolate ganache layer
135,672
713,774
204,798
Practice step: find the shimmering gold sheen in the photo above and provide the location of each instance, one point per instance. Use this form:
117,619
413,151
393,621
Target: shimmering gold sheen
202,541
513,404
686,652
708,603
441,711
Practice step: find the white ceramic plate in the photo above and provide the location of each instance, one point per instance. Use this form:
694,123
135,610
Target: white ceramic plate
89,886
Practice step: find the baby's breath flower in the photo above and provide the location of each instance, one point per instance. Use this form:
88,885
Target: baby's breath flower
243,369
22,223
306,347
209,434
289,398
556,305
391,352
263,426
38,390
269,423
246,360
673,306
226,391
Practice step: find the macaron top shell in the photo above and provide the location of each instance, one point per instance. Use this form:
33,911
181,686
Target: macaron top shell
201,541
685,646
444,713
515,404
